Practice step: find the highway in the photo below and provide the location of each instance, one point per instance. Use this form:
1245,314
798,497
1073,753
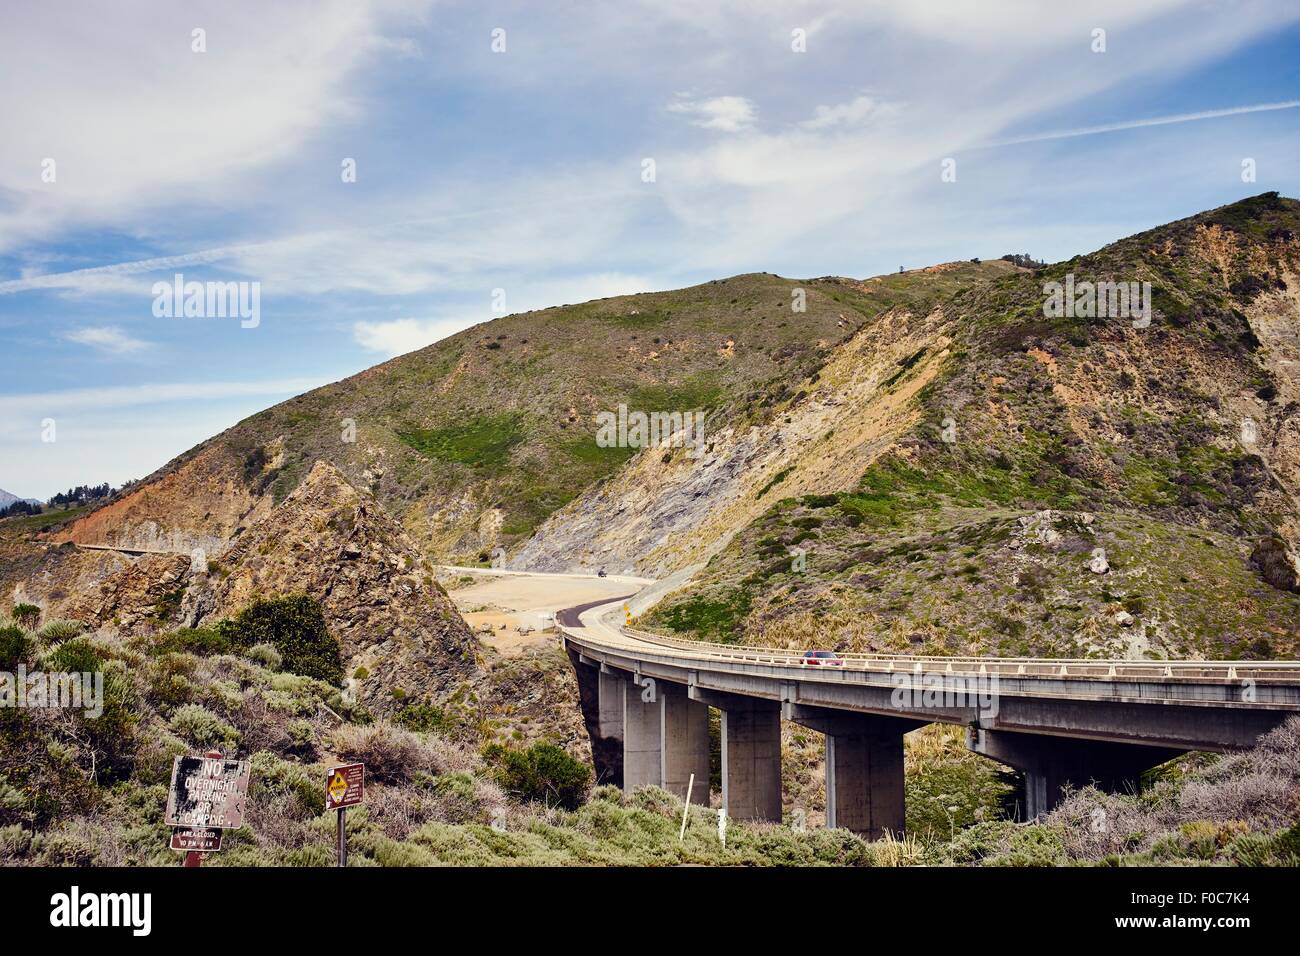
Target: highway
1062,723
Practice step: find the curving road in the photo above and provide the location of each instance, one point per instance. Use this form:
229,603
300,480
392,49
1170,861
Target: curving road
1060,722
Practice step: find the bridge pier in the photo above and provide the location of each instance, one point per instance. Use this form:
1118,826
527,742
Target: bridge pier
642,734
610,704
1051,763
864,768
600,695
751,754
684,738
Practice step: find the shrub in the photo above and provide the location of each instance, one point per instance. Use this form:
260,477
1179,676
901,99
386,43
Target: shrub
169,683
301,739
273,777
391,754
203,728
295,627
26,615
55,632
425,718
15,647
544,773
203,641
108,738
266,655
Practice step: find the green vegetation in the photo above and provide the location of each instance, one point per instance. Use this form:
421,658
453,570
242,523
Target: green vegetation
708,618
294,626
26,615
543,773
482,443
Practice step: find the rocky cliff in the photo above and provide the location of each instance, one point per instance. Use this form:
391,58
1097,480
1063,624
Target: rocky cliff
402,640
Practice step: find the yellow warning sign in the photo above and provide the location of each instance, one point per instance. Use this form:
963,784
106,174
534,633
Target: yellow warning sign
338,787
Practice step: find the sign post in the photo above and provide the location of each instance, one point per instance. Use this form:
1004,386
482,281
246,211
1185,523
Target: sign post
206,796
344,787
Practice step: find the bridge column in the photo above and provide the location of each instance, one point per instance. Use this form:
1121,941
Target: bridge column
684,736
600,695
751,759
864,768
642,734
1050,764
610,707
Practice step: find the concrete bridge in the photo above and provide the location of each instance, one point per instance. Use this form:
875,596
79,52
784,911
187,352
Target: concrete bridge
646,699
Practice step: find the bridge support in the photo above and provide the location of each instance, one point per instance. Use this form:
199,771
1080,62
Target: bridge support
684,737
610,704
751,753
600,694
751,759
1051,763
864,768
642,734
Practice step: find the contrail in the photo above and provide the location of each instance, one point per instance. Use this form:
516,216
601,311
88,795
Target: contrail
1137,124
59,280
56,280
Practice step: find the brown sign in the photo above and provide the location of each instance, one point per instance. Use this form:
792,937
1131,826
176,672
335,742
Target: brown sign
345,786
197,841
207,792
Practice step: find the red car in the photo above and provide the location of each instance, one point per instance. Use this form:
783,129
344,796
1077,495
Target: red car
823,658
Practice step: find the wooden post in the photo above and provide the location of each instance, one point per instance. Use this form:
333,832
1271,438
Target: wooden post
343,836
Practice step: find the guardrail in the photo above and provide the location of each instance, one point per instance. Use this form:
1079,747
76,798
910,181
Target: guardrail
1073,668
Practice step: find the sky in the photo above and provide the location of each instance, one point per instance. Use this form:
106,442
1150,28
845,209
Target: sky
383,173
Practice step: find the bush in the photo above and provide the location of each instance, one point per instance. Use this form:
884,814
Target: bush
273,777
301,739
295,627
55,632
425,718
266,655
203,641
201,727
391,754
15,647
75,656
26,615
544,773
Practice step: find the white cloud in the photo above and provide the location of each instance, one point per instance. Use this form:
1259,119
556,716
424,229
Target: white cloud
852,113
135,121
731,114
399,336
109,339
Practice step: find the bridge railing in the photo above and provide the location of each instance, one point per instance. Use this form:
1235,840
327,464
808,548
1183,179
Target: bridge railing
1082,668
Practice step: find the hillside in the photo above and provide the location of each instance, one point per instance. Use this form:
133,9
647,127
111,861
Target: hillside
1167,454
920,462
473,442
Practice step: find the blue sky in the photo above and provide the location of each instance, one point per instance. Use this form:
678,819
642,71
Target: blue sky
522,171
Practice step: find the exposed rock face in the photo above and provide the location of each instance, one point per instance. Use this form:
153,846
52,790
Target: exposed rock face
1276,565
145,594
397,628
664,512
197,503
